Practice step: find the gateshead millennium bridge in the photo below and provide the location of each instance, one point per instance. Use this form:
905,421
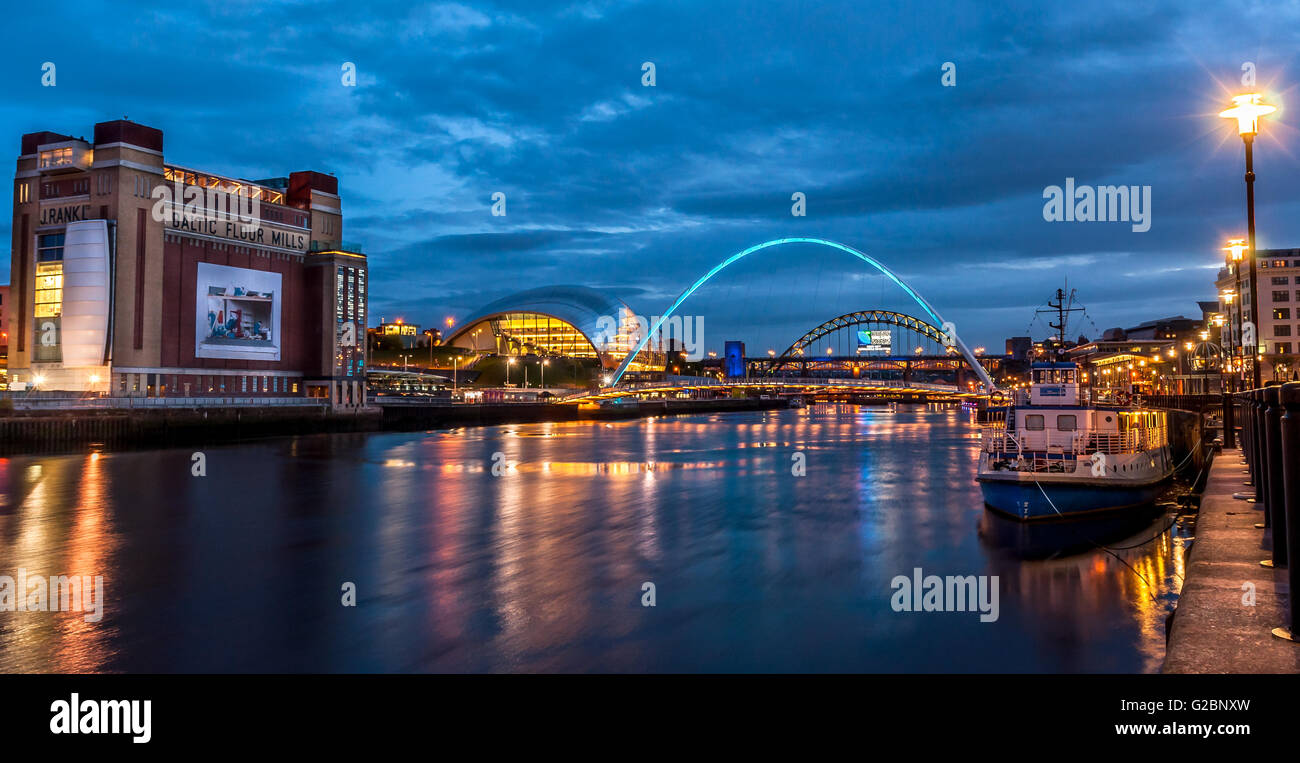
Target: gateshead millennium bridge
579,322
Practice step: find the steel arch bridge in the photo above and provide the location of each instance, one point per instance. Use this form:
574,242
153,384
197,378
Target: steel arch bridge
859,318
929,311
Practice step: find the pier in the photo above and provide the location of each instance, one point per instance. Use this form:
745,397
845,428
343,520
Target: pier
1236,612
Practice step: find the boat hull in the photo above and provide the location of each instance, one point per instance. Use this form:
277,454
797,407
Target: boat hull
1025,500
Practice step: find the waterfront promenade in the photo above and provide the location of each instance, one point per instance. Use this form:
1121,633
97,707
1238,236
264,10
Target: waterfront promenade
1214,630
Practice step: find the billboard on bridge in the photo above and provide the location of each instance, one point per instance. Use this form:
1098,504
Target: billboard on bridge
878,342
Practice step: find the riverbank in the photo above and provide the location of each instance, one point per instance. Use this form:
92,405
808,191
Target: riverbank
71,431
1215,628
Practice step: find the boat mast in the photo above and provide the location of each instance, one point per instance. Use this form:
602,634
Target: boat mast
1062,310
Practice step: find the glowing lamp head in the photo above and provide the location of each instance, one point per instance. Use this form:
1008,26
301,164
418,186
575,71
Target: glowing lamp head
1247,109
1228,295
1236,246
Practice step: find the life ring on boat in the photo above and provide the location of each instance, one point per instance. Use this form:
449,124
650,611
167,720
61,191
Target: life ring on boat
996,397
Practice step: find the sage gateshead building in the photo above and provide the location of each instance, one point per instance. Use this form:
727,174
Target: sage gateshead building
562,321
134,276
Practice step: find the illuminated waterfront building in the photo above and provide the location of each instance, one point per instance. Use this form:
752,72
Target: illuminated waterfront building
1278,334
568,321
132,276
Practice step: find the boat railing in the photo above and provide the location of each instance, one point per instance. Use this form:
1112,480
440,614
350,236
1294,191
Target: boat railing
1075,443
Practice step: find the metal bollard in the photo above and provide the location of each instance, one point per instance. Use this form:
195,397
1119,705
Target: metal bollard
1247,434
1259,464
1290,427
1274,496
1229,436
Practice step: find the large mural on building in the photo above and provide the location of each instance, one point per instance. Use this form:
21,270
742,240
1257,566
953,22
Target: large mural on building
237,313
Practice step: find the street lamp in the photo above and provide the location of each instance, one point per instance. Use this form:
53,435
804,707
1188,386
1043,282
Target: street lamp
1228,295
1247,109
509,362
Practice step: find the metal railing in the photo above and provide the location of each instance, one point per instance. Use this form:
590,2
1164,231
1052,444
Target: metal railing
813,383
1270,442
1077,443
128,403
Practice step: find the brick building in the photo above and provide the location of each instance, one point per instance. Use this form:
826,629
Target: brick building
132,276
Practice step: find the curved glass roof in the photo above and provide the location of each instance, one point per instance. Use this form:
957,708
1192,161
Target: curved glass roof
579,306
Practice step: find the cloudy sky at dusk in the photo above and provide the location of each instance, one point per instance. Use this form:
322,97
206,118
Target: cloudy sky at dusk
639,190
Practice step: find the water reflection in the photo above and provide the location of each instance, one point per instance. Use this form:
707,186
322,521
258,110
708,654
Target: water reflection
525,547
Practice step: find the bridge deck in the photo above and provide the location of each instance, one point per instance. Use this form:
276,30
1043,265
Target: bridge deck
803,385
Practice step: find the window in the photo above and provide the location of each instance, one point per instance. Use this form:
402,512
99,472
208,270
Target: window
1282,348
1034,421
1281,280
1282,330
49,248
1281,296
1066,423
56,157
1281,313
1279,263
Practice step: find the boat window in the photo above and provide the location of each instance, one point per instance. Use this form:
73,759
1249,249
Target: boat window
1067,423
1034,421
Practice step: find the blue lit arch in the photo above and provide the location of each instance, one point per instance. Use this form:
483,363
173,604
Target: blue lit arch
961,346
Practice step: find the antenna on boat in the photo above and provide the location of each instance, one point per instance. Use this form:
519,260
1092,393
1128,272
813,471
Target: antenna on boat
1062,308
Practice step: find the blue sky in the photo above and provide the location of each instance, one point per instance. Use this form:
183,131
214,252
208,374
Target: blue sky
639,190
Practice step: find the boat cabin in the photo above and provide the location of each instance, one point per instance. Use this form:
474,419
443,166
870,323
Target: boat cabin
1054,384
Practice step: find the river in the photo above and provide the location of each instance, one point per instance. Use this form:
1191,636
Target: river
529,547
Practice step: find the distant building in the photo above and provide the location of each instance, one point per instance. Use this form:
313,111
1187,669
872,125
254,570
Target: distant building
4,338
1176,328
1153,356
1277,337
1018,347
408,334
733,359
136,277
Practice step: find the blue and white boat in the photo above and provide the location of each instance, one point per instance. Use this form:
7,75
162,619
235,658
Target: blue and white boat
1051,454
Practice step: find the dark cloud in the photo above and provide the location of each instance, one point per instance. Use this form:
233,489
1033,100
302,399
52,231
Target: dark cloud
640,190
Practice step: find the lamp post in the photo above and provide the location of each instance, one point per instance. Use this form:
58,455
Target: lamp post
509,362
1228,295
544,362
1236,246
1247,109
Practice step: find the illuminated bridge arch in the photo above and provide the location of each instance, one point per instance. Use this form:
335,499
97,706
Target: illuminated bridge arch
859,318
929,311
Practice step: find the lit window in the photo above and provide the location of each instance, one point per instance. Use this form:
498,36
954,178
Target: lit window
56,157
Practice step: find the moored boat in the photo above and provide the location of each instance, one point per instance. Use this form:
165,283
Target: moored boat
1052,454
